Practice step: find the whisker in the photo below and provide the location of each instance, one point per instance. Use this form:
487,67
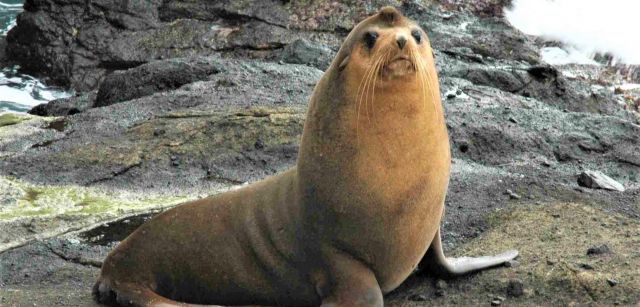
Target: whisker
383,60
370,84
359,94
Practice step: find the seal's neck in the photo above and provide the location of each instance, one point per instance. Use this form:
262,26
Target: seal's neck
401,138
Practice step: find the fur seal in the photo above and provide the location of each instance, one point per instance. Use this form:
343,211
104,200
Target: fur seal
347,224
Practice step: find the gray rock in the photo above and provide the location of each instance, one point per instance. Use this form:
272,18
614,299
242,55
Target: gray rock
512,195
515,288
418,298
302,51
66,106
598,180
154,77
598,250
441,284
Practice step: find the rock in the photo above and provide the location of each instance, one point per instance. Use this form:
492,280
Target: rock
598,180
612,282
597,250
66,106
68,41
3,56
418,298
515,288
76,45
154,77
441,284
8,119
512,195
302,51
496,302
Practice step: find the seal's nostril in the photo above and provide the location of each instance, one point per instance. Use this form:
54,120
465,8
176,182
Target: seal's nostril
401,42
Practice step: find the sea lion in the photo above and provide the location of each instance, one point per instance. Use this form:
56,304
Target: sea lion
347,224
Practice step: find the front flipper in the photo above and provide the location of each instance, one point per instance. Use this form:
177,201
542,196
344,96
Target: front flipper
436,263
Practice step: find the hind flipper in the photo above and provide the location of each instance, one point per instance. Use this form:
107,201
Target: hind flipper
436,263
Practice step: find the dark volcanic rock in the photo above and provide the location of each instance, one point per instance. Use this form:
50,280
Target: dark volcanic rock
598,250
66,106
154,77
76,44
303,51
218,130
3,55
67,40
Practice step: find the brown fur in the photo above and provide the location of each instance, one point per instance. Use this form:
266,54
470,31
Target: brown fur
350,222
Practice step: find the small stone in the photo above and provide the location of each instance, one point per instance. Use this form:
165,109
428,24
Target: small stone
612,282
512,195
447,15
418,297
441,284
512,264
546,163
598,180
515,288
259,144
598,250
496,302
513,120
551,261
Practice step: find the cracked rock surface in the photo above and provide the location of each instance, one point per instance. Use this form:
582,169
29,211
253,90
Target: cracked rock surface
181,99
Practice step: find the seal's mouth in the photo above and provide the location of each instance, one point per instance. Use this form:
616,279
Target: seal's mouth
398,66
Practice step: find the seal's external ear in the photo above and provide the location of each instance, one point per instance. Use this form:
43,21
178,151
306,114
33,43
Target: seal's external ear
344,62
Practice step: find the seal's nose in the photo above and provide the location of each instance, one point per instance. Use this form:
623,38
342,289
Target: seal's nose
401,41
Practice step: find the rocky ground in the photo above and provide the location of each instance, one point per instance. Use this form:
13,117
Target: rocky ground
181,99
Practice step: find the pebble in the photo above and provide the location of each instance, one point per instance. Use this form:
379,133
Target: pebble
512,195
598,250
441,284
515,288
612,282
598,180
418,297
512,264
546,163
496,302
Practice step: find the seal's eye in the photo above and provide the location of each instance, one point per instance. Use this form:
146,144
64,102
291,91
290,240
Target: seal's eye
370,39
417,35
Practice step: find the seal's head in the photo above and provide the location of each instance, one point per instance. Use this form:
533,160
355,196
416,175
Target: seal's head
386,45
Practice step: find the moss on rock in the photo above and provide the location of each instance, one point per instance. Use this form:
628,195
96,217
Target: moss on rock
46,211
8,119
